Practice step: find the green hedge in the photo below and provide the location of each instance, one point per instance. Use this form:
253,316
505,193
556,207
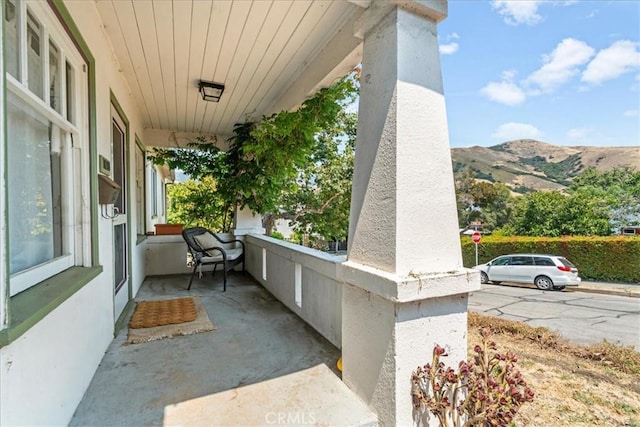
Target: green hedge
611,258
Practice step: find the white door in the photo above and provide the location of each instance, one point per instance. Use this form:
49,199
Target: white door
120,226
499,270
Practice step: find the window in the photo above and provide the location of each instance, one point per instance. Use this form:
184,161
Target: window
46,150
544,261
140,186
521,260
566,262
501,261
12,58
154,192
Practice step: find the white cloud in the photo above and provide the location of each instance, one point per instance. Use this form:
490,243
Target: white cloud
558,67
518,12
449,48
619,58
591,14
579,134
512,130
632,113
505,92
509,75
561,64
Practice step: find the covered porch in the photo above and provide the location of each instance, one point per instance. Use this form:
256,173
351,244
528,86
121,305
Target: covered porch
262,365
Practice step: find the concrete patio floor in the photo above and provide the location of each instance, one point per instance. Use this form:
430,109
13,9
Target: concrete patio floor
262,366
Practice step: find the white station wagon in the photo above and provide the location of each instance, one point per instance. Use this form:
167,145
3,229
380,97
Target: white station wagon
547,272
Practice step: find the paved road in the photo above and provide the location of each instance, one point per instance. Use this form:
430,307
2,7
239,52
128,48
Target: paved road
581,317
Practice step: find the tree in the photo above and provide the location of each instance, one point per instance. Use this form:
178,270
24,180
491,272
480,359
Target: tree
616,190
551,213
320,202
197,203
266,158
489,203
595,204
496,210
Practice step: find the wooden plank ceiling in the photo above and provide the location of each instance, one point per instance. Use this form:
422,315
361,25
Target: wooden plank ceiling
258,49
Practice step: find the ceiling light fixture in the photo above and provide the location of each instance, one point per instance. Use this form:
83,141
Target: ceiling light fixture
211,91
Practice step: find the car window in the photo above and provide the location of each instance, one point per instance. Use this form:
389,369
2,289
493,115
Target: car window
543,261
521,260
566,262
501,261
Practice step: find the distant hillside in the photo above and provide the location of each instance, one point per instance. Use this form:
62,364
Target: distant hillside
526,165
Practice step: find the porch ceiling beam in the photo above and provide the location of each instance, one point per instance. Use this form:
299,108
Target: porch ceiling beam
362,3
171,139
339,55
435,10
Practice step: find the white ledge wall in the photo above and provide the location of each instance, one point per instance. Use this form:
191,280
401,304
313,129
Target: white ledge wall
321,287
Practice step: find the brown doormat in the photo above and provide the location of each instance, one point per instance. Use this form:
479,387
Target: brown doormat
200,324
164,312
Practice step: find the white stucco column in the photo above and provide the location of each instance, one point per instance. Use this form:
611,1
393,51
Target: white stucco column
405,287
246,222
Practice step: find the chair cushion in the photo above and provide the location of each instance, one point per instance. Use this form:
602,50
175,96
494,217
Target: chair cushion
207,241
232,254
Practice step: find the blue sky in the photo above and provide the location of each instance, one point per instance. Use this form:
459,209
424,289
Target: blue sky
563,72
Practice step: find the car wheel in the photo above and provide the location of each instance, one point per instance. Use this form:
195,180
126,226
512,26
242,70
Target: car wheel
558,288
544,283
484,279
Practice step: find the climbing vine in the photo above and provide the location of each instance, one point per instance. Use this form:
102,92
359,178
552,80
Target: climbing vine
265,156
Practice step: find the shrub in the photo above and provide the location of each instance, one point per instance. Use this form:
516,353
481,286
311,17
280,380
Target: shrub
277,235
611,258
486,391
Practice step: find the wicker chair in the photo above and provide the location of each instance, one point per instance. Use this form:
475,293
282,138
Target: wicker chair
208,248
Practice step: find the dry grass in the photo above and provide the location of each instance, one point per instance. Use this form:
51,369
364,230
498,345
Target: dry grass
574,385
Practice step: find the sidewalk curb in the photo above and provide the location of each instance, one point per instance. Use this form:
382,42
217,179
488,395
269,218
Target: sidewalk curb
630,290
626,292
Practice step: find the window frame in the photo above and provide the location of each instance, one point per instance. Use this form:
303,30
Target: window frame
75,137
141,188
154,191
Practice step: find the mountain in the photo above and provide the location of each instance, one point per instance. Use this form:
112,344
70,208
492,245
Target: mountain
526,165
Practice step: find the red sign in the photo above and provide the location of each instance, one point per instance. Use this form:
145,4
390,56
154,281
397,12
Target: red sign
476,236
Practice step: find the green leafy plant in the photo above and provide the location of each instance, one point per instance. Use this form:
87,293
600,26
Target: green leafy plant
197,203
277,235
289,163
487,391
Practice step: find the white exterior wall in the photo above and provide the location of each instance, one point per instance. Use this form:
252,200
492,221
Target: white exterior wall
43,387
109,80
321,287
45,372
3,195
166,255
161,173
138,268
283,226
